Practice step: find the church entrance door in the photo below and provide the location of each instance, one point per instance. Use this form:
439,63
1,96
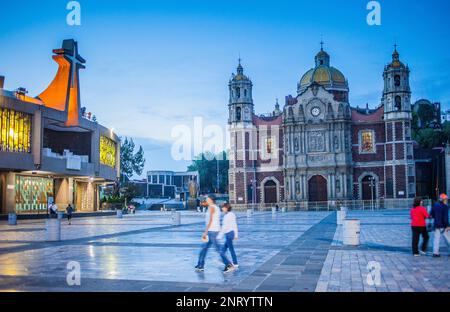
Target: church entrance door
368,187
270,192
317,188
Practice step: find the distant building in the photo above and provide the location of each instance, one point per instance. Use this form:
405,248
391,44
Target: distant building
445,116
48,151
170,184
436,121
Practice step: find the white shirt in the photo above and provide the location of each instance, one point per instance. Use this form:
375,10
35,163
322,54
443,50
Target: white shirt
229,224
215,224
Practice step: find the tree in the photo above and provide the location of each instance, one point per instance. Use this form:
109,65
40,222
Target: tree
425,114
130,162
206,164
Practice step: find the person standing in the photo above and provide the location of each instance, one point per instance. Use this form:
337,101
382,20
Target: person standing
53,210
419,215
209,237
440,214
230,232
69,212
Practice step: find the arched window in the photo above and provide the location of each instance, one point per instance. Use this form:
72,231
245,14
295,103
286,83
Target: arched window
238,114
398,102
238,92
397,80
245,92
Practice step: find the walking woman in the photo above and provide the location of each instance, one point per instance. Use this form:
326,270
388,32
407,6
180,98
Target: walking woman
230,232
209,237
419,215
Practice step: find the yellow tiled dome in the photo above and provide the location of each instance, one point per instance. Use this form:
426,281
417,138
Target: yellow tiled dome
322,75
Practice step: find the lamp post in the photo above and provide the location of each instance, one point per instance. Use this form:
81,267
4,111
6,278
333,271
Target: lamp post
218,175
371,184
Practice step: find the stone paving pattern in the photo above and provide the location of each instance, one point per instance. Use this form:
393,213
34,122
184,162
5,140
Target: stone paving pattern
295,251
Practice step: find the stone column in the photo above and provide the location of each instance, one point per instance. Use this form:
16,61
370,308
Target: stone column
36,138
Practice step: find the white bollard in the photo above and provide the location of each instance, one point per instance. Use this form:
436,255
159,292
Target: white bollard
283,209
351,232
204,209
12,219
119,214
340,217
52,230
176,218
249,213
274,210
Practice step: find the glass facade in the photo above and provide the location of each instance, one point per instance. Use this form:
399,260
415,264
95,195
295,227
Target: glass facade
107,152
15,131
32,193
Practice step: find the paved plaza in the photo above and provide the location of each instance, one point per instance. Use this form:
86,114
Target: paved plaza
295,251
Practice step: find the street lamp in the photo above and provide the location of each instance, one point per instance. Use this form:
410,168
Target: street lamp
371,184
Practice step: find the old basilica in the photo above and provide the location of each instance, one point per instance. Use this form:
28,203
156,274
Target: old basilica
318,148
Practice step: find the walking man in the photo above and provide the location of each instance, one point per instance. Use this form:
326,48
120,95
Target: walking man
440,214
69,211
209,237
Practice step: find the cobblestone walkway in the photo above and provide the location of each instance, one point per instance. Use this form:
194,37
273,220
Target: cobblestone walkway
385,244
295,251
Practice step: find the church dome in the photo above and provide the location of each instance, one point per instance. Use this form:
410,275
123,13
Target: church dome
323,74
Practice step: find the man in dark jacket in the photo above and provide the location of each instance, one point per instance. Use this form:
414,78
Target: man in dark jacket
440,214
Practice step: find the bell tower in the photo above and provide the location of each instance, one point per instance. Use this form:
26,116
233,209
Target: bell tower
397,92
399,167
242,133
240,105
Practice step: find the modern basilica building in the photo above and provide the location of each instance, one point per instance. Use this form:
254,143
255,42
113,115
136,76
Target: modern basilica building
48,150
319,148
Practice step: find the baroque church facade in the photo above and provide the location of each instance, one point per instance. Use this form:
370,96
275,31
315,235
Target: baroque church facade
319,148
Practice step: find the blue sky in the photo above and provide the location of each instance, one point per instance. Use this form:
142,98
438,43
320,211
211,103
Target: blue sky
152,65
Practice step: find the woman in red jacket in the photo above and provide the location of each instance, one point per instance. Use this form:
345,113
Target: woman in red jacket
419,215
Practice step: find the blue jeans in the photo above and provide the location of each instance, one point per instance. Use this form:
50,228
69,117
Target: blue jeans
212,240
229,237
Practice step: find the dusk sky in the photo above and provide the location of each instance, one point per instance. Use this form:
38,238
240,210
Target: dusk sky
152,65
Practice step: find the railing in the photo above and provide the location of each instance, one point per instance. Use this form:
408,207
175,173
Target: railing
364,205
